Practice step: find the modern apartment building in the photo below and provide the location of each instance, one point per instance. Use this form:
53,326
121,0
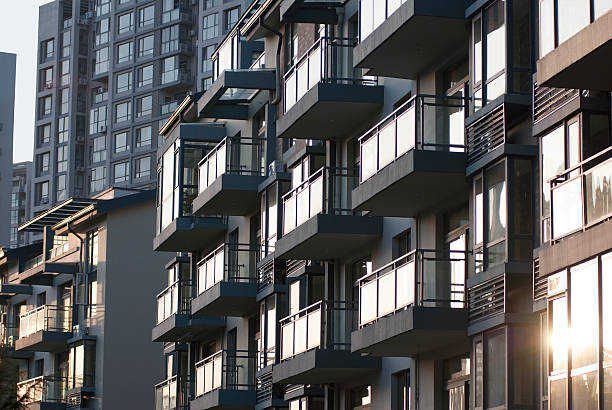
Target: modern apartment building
75,309
7,112
20,203
392,205
109,73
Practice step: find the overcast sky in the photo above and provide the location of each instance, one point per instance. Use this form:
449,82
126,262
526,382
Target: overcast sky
18,35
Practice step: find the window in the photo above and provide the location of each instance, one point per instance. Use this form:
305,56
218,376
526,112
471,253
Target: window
490,369
230,17
209,4
63,128
65,72
97,120
44,104
402,244
99,95
145,46
125,23
102,7
401,386
44,134
42,193
144,75
361,396
121,172
142,167
170,39
206,83
146,16
62,158
122,2
47,48
170,10
143,137
123,111
207,57
210,26
46,78
99,149
42,163
66,41
144,106
98,179
124,82
124,52
64,101
101,61
102,28
60,187
169,70
121,142
92,250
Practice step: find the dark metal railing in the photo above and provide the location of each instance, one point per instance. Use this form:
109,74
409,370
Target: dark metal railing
229,263
226,369
175,299
547,100
414,125
50,318
43,389
172,394
486,134
487,299
422,277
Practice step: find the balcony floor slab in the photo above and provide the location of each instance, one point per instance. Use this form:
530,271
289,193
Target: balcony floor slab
226,299
229,194
44,341
188,233
185,328
222,399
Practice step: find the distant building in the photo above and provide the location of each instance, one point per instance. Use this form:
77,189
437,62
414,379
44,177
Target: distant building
7,112
20,205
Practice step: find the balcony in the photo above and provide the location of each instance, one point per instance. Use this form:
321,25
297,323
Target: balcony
318,225
44,392
414,159
172,394
229,177
579,61
413,305
315,346
225,380
186,233
227,281
323,98
270,271
43,268
310,11
174,320
388,26
9,333
45,329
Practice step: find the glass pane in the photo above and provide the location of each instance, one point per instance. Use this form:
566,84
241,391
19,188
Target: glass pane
559,334
553,163
386,141
316,196
477,35
386,289
598,193
496,87
300,335
572,16
303,207
369,157
221,160
208,377
585,391
496,39
366,9
567,208
602,7
290,91
406,129
200,381
405,285
478,376
314,66
547,27
302,79
584,314
289,213
287,336
495,370
314,329
606,308
219,266
217,371
367,303
496,191
558,395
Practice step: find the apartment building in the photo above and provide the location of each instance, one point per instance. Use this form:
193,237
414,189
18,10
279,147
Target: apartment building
391,205
75,308
20,205
109,73
7,112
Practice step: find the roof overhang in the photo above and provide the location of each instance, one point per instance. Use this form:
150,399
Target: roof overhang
67,209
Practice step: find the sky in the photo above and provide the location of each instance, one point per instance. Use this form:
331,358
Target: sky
18,35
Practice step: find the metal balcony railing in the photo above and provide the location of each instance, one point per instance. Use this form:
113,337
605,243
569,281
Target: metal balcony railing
259,63
226,369
486,134
425,122
58,250
239,156
487,299
321,193
313,327
172,394
33,262
372,13
8,334
422,277
48,318
43,389
581,196
547,100
323,62
270,273
175,299
228,263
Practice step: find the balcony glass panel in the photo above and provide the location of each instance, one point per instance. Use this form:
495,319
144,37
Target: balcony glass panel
416,124
598,192
49,318
567,208
226,369
297,334
172,394
230,263
422,277
372,13
174,299
43,389
323,62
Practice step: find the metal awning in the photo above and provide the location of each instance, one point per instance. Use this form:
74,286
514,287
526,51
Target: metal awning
57,214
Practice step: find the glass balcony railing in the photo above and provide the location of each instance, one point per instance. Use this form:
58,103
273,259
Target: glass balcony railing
33,262
58,250
318,194
48,318
582,195
372,13
313,327
259,63
226,57
425,122
175,299
43,389
228,263
8,334
172,394
239,156
323,62
422,277
228,370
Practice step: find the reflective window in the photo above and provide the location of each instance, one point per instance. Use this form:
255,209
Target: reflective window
124,82
145,75
124,52
125,23
143,137
146,16
121,142
121,172
146,45
210,26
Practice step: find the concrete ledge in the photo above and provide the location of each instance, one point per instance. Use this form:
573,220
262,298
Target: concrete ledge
188,233
230,194
226,299
225,399
183,327
44,341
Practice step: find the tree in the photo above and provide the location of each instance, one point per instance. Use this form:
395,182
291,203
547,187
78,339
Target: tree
9,376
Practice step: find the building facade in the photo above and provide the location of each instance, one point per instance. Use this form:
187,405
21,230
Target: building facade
109,73
7,113
75,308
391,205
20,203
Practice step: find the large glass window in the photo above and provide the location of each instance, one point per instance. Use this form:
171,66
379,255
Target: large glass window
46,79
63,128
65,72
45,106
101,61
121,172
98,149
144,106
207,57
121,142
124,52
98,179
123,111
62,158
60,187
145,75
124,82
97,120
170,39
169,69
143,137
44,134
145,46
125,23
64,101
210,26
146,16
102,29
230,17
66,42
47,49
142,167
